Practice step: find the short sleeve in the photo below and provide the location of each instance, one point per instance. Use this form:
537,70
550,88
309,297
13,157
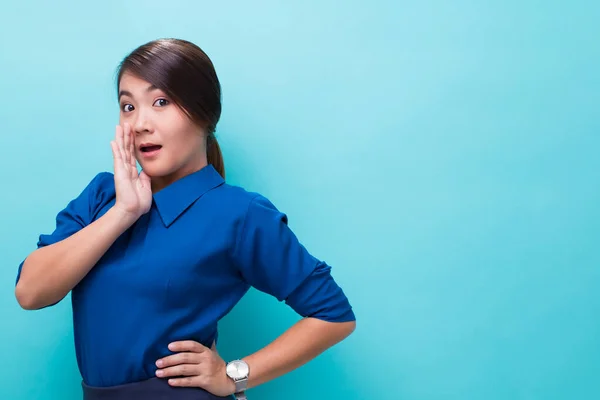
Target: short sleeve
78,213
271,258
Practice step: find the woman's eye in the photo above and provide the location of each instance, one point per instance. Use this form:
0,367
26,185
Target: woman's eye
127,107
161,102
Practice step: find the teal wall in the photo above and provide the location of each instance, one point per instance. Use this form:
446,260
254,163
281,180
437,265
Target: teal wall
441,156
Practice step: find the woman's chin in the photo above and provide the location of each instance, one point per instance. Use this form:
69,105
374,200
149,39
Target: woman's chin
154,172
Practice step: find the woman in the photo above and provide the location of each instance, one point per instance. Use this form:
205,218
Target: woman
155,259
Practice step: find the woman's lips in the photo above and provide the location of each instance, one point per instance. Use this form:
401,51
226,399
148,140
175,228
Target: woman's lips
150,151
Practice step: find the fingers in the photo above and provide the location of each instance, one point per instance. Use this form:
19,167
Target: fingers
188,345
132,148
116,156
126,143
179,358
119,140
124,149
144,179
115,151
179,370
128,147
195,365
185,382
189,355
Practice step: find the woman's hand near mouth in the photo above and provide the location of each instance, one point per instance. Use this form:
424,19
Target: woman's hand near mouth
133,190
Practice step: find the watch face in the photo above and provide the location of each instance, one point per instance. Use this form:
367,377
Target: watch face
237,369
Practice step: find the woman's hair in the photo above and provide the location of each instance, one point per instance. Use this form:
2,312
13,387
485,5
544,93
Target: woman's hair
187,75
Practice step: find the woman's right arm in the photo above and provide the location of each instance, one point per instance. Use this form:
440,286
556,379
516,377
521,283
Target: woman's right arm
50,272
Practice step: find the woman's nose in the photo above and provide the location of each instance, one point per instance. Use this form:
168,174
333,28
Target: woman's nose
142,124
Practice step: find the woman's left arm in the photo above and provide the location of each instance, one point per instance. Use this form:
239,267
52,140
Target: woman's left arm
304,341
194,365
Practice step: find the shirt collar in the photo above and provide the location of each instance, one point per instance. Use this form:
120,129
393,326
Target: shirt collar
175,198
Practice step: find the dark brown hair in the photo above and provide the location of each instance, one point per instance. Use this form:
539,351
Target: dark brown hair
187,75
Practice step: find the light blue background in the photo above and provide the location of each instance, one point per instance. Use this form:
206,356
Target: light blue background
441,156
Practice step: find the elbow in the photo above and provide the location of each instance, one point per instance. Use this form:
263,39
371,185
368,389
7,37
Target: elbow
31,294
30,299
351,327
334,332
347,328
25,297
340,327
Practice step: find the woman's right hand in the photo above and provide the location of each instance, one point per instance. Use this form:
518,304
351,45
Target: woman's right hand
134,192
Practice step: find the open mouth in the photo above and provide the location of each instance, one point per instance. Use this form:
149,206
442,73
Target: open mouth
150,148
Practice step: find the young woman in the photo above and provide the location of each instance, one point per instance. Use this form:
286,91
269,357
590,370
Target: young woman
153,260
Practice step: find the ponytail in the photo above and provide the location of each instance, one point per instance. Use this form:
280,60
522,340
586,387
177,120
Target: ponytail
214,156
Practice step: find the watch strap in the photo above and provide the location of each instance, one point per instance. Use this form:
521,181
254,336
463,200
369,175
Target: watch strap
241,385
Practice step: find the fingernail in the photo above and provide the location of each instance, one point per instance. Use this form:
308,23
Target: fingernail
159,363
159,372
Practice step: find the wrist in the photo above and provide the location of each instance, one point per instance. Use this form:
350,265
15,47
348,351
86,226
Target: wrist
121,218
230,385
238,373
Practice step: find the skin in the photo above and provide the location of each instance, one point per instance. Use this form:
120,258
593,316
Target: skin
154,118
148,115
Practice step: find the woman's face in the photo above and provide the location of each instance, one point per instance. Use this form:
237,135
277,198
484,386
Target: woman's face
168,144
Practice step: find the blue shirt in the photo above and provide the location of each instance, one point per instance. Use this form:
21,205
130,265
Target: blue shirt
182,267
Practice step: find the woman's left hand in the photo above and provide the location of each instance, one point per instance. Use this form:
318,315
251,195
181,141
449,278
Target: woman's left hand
195,365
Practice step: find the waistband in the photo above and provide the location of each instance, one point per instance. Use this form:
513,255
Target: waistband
151,389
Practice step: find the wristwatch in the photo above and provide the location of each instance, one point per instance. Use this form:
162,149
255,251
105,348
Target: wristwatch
238,370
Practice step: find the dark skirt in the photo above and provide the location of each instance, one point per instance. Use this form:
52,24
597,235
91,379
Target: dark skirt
151,389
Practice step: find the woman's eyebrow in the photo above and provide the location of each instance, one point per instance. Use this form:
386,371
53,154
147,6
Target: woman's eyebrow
124,93
128,93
